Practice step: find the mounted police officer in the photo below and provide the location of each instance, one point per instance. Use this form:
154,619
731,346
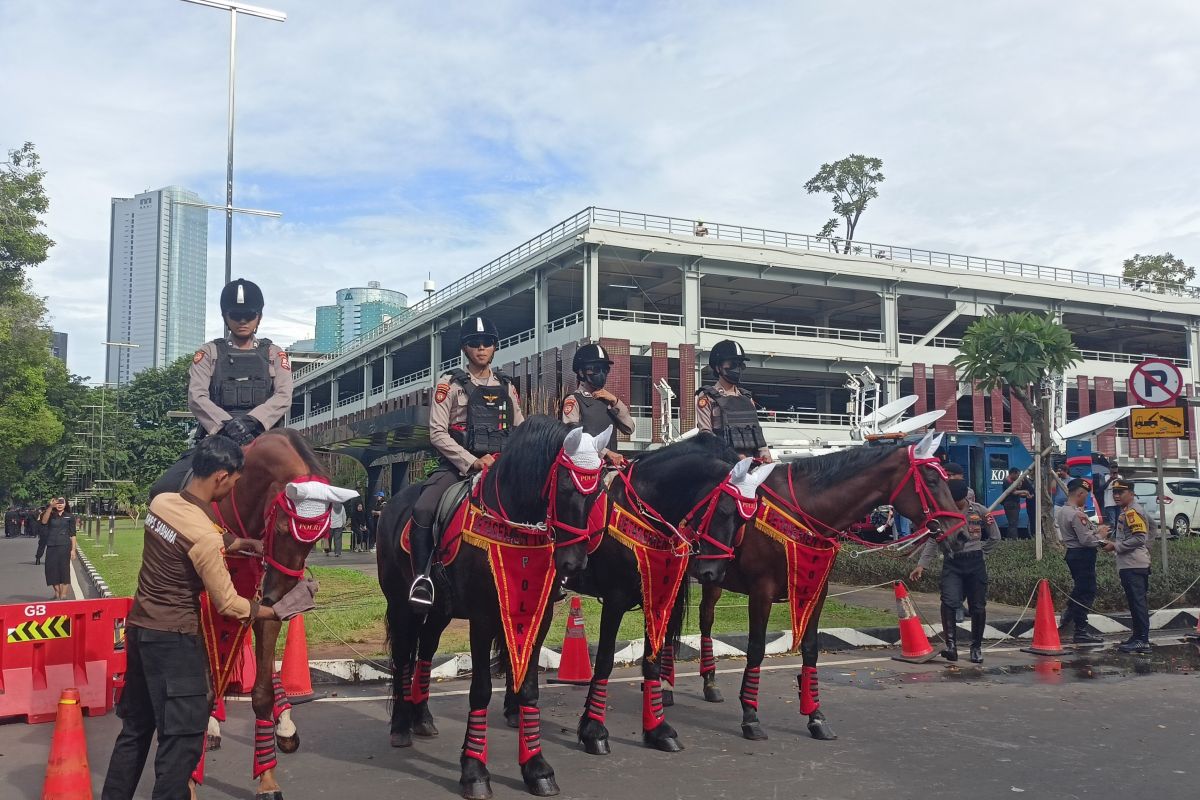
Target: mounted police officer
472,412
1131,544
591,405
725,408
238,385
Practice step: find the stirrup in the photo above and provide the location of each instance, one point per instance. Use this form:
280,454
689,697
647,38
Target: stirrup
420,596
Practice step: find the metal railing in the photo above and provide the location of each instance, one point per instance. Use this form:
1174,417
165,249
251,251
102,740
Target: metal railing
351,400
564,322
449,364
1107,356
802,418
648,411
517,338
785,329
643,317
314,411
405,380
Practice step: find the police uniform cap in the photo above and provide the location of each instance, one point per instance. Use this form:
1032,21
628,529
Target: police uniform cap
1119,485
241,295
589,354
1079,483
725,350
481,327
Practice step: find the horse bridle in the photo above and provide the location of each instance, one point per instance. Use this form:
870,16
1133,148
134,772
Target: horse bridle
306,530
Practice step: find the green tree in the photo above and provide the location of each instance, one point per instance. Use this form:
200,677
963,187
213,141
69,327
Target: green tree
27,423
1150,273
23,202
1020,351
851,184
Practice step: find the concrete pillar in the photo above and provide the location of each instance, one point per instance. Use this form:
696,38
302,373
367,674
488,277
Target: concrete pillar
333,396
541,308
889,321
307,404
387,373
591,292
400,470
691,303
1193,351
435,355
367,381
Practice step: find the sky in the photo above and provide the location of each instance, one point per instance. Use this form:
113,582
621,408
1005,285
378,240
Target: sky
407,139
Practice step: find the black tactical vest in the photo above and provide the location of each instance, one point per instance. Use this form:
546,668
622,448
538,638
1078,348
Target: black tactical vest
241,379
737,423
593,414
489,415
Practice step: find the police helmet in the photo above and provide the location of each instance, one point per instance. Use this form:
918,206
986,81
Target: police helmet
725,350
241,295
478,327
589,354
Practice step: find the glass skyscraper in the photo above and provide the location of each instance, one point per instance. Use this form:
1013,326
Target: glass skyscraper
356,311
157,266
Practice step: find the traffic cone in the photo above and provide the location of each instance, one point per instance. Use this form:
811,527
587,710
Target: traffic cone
575,666
67,773
914,644
297,678
1045,629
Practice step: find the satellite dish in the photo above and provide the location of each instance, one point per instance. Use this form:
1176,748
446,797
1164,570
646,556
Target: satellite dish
916,423
1093,423
889,411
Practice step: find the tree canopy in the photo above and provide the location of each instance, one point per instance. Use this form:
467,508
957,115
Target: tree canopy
1151,272
851,184
23,203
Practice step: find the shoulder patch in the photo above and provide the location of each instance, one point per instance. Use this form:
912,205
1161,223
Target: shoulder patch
284,363
569,404
702,401
1135,522
196,359
443,389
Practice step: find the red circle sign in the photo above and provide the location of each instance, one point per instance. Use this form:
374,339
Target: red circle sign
1156,382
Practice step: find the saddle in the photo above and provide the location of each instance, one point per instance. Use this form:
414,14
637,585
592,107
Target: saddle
447,522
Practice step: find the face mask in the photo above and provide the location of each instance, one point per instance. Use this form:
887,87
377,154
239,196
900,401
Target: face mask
596,377
733,375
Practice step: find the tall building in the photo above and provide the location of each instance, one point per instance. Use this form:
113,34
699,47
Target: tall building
157,266
357,311
58,345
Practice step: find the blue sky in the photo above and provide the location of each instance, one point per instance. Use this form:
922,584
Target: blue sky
401,138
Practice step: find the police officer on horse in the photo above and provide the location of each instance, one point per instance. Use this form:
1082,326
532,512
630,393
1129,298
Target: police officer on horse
238,385
472,413
591,405
726,409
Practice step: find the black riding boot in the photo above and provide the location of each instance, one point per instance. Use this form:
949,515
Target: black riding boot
420,596
978,621
950,633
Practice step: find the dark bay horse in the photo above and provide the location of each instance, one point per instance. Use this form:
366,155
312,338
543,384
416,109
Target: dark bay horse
538,495
822,496
684,504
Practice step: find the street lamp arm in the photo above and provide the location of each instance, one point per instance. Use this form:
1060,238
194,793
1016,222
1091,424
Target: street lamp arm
243,8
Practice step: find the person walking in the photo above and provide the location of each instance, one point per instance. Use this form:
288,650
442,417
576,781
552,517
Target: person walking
1082,539
1012,503
358,526
1131,544
58,539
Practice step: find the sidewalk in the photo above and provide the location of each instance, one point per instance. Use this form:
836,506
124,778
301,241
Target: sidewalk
20,580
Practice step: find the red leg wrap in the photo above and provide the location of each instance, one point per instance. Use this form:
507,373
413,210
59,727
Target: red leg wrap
749,695
652,707
264,746
475,744
406,683
597,700
708,662
281,700
420,682
529,734
198,772
666,667
810,697
218,712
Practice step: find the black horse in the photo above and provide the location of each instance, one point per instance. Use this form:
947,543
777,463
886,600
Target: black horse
540,491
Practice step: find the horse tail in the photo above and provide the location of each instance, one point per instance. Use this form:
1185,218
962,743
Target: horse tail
679,614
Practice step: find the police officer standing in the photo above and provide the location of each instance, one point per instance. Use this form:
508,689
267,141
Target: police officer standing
1082,539
1131,543
472,412
964,574
725,408
591,405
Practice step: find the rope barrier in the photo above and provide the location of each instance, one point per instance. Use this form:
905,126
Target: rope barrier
1172,602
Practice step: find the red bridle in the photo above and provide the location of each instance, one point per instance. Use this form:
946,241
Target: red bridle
303,529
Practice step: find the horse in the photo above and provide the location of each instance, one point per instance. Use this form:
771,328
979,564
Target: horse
534,503
805,508
279,466
676,511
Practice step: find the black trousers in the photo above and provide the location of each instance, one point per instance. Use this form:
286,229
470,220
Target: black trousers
1136,583
1012,519
41,551
965,576
1082,563
166,691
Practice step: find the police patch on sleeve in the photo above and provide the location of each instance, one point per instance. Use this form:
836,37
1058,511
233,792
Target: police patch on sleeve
702,401
196,359
1135,522
568,405
284,363
443,389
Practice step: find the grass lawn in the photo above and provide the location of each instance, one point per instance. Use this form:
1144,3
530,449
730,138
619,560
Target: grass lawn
350,607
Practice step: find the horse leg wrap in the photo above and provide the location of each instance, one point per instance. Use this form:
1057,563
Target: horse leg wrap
529,734
475,743
708,662
749,695
810,696
597,700
420,683
652,707
264,746
406,683
198,772
281,700
218,712
666,666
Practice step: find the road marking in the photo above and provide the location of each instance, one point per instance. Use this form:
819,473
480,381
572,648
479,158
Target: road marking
76,589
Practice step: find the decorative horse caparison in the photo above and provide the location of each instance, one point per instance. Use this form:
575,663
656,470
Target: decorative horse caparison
259,508
803,510
526,518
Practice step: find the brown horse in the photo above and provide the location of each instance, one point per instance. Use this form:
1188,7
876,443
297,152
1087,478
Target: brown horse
822,496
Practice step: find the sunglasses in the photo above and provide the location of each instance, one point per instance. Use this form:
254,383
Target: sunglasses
242,316
479,341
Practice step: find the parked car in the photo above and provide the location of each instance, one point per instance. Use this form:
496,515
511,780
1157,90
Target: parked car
1182,501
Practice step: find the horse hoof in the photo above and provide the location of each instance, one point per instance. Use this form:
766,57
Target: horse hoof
288,744
667,744
401,739
512,720
595,747
272,795
713,695
213,743
754,732
668,698
477,790
820,730
543,787
425,728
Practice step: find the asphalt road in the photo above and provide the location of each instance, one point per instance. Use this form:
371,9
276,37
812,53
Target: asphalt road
1102,726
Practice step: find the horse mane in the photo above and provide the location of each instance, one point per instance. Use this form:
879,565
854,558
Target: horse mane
703,444
302,448
831,468
530,452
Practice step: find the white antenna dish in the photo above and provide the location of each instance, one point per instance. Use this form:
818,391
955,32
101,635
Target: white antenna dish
916,423
889,411
1093,423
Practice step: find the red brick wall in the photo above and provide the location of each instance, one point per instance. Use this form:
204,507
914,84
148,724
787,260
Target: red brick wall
978,413
919,389
618,378
687,387
1022,426
566,355
1085,395
659,366
945,388
1107,441
997,417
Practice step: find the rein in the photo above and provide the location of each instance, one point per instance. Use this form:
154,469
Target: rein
303,529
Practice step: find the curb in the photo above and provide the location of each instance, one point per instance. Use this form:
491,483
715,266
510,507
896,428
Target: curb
97,583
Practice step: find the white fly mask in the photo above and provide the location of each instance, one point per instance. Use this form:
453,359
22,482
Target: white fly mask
584,450
309,507
927,447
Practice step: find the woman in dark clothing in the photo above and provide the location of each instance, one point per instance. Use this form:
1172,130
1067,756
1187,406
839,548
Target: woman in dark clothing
59,529
358,527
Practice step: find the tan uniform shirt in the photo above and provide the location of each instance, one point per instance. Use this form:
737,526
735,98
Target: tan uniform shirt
182,555
622,420
449,408
1134,531
981,530
211,415
707,412
1075,529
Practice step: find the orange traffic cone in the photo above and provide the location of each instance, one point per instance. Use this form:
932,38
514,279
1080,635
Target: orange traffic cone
914,644
67,773
1045,629
296,676
575,666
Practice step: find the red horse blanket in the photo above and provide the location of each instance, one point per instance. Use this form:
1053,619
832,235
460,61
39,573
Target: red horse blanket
662,561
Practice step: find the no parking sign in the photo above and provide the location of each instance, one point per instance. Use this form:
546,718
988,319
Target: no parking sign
1156,382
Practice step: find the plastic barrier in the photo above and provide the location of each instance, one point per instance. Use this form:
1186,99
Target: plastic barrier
51,646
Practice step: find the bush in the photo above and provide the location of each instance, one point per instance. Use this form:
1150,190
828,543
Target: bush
1013,573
